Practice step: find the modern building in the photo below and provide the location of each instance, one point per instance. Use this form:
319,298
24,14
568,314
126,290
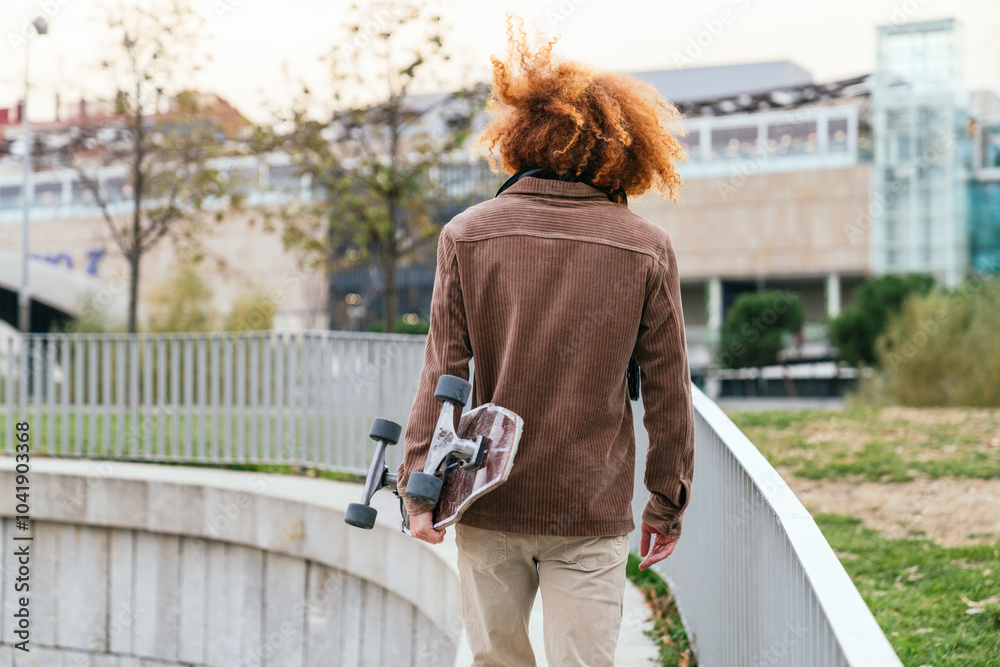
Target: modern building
790,184
776,180
920,179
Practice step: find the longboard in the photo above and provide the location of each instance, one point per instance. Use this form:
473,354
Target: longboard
462,487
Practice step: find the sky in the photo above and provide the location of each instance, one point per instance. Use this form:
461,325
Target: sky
258,53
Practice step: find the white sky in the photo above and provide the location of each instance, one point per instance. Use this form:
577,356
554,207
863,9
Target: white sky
260,48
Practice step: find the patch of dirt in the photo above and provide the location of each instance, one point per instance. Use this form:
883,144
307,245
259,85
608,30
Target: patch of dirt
913,427
967,417
952,512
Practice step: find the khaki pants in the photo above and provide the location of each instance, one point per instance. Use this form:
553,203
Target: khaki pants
582,580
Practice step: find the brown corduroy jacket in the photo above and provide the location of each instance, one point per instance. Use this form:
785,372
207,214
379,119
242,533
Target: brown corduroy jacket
552,288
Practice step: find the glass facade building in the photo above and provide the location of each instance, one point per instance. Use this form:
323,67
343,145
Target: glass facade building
920,180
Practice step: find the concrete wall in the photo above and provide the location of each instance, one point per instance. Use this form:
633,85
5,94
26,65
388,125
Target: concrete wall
142,564
254,262
808,223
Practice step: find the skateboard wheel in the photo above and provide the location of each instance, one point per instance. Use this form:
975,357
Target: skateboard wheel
361,516
452,389
424,488
383,429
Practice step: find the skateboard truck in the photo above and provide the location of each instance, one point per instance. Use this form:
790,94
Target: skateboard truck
447,450
362,515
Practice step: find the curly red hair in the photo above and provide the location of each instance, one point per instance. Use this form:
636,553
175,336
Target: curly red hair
609,128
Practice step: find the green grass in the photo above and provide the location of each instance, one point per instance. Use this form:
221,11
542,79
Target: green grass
668,631
877,443
170,436
921,593
275,469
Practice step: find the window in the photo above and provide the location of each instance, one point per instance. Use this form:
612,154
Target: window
284,177
10,196
836,135
692,144
792,139
117,189
80,194
48,194
734,142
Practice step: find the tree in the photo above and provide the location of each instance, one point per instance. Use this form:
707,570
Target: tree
755,328
856,329
373,160
941,349
169,177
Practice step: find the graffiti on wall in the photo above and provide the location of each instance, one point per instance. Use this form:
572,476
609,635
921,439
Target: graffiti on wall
64,258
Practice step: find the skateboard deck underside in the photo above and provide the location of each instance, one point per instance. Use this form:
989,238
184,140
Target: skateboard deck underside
462,487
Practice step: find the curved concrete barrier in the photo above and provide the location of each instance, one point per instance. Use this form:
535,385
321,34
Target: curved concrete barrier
139,564
145,564
66,291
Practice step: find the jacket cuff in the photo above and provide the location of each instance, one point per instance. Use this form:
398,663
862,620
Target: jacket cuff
662,517
413,507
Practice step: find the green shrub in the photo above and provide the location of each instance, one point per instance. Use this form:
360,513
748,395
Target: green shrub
92,318
251,312
857,327
755,328
942,349
181,303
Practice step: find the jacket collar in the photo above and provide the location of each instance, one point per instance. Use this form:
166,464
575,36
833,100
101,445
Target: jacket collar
548,174
529,185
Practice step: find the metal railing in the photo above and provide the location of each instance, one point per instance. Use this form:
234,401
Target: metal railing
262,397
755,581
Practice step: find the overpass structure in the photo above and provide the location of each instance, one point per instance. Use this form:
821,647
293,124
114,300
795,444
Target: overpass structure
57,294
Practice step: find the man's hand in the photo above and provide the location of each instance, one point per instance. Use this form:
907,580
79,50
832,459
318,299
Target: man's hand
422,528
663,546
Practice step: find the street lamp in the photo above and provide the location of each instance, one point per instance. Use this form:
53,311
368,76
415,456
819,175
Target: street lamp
24,296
